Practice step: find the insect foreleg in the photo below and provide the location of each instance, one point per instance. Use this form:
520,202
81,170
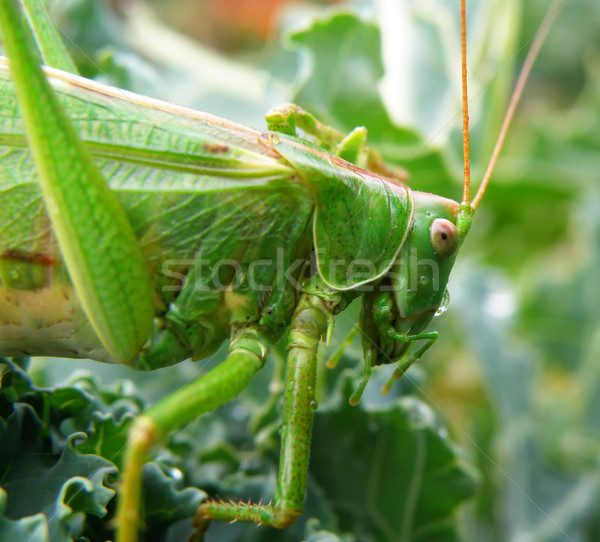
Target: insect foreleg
310,322
409,357
430,337
378,323
370,358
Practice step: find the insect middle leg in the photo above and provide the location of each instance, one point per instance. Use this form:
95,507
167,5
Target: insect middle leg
291,119
247,354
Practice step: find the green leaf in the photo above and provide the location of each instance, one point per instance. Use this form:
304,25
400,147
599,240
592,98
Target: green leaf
165,500
393,473
32,528
38,481
348,97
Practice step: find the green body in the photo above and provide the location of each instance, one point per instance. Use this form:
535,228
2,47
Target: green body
204,230
226,220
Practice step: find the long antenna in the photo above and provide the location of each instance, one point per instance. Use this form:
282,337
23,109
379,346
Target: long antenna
465,106
538,40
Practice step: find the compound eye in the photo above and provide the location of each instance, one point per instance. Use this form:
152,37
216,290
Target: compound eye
444,237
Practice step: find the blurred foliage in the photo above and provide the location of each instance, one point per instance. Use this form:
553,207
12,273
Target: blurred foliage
514,379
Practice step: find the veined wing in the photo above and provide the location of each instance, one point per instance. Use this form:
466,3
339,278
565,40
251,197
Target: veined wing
146,149
137,130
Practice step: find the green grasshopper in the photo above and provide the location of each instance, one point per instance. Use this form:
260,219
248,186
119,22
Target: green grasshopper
148,246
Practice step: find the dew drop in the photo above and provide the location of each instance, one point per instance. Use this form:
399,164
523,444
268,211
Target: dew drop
444,304
269,138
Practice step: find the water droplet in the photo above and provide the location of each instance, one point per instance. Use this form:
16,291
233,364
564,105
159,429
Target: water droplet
444,304
313,405
269,138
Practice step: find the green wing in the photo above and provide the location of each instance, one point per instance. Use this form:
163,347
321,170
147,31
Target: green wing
182,176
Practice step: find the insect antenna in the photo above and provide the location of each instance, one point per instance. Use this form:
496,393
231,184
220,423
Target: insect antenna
465,106
536,45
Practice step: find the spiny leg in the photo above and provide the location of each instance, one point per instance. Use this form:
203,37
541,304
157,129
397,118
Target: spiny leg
247,354
308,325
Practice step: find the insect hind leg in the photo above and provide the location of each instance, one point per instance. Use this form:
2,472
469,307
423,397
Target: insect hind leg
309,324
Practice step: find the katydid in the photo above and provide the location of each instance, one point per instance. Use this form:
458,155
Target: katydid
163,232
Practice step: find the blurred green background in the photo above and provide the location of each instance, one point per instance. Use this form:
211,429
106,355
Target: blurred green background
514,380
